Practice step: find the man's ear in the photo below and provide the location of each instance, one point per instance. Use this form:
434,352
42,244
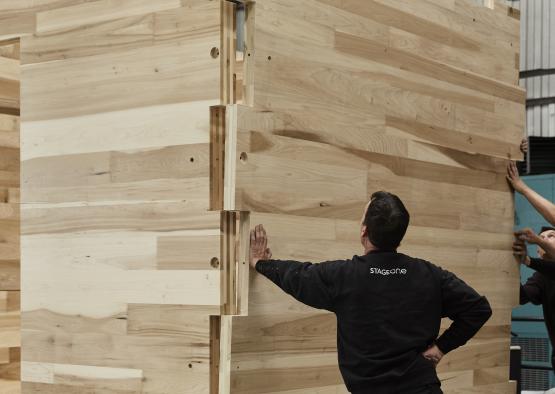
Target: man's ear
364,231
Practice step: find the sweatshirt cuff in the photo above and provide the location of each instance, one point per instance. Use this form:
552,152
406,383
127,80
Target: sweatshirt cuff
262,266
444,345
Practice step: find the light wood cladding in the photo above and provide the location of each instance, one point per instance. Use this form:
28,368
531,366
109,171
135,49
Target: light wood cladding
117,236
355,96
150,146
10,326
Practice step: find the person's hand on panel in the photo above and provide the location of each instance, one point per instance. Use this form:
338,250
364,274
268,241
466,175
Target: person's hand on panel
259,246
519,250
524,145
514,178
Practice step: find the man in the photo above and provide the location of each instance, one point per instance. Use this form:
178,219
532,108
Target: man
547,209
388,305
539,289
545,243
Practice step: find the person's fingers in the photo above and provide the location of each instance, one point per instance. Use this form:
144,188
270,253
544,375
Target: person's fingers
268,253
258,232
253,237
512,169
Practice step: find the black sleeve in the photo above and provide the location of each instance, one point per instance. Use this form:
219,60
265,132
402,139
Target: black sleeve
531,291
309,283
462,304
545,267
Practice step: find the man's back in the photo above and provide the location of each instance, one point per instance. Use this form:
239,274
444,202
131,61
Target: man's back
389,308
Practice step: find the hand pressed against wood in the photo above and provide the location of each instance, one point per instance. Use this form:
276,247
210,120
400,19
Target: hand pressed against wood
259,246
519,250
514,178
524,145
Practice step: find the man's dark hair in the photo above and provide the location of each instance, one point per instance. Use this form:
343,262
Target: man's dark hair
546,228
387,220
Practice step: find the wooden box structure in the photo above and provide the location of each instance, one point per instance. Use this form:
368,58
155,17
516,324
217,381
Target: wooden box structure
150,144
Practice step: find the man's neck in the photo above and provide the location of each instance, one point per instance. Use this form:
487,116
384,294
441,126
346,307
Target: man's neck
370,248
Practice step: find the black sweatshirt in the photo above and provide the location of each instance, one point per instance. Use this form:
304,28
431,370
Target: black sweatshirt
389,308
540,290
547,268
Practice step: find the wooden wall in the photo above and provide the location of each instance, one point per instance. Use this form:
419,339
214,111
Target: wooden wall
10,338
117,239
123,260
353,96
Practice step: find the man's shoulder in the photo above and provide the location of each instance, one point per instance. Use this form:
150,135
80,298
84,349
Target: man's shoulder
423,264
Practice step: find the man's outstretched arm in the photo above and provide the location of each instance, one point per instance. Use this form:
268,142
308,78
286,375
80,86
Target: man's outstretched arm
308,283
545,207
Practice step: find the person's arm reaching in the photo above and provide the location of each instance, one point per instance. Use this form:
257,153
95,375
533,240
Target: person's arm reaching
545,207
544,267
528,235
468,310
308,283
531,291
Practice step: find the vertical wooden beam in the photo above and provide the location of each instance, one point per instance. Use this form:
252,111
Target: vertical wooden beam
243,266
227,53
225,354
217,156
227,242
230,158
248,63
215,322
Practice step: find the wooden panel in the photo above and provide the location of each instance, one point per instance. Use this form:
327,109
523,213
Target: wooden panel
350,97
117,239
10,337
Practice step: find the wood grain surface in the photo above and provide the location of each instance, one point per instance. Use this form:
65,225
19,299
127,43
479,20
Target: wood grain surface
117,238
139,185
10,320
350,97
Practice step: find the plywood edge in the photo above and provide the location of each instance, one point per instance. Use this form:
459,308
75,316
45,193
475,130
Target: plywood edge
234,267
217,156
230,154
227,52
249,55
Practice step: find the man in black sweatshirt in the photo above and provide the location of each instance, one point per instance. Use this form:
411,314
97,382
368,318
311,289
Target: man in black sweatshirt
388,305
539,289
545,242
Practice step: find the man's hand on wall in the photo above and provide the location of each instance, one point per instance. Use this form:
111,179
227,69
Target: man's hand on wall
514,178
519,250
524,145
259,246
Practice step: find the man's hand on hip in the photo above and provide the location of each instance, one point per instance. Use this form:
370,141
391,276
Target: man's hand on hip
259,246
433,354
